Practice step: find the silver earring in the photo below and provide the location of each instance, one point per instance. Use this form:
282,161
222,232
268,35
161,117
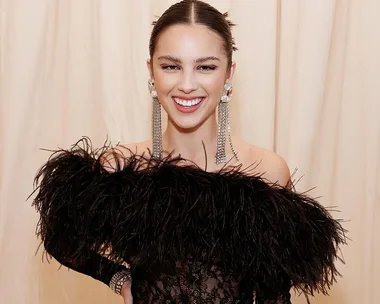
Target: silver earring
156,123
224,124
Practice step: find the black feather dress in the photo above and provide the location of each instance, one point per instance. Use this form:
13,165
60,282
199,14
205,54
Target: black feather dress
189,236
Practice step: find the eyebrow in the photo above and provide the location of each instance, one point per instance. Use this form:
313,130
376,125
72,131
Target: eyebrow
199,60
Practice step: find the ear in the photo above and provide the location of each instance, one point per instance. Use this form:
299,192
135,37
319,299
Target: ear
231,72
150,67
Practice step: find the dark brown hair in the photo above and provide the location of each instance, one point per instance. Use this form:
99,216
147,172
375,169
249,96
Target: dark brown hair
195,12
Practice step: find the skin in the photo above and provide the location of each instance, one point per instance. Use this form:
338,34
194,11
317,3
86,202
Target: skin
190,61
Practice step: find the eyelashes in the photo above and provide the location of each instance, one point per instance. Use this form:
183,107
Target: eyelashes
207,67
171,67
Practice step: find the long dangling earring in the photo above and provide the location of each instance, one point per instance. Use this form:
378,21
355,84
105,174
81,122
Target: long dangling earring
156,123
223,124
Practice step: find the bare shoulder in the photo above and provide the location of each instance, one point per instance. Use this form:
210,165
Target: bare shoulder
134,148
272,166
115,158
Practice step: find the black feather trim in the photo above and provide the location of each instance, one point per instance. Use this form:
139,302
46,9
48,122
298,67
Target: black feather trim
153,213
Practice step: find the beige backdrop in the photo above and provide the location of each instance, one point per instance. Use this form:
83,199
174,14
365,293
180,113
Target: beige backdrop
307,85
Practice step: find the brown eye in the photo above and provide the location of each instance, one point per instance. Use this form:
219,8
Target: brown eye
207,67
170,67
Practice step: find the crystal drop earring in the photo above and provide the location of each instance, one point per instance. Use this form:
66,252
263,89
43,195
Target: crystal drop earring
224,124
156,123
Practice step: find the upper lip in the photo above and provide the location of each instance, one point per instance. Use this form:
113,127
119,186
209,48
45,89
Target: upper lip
187,97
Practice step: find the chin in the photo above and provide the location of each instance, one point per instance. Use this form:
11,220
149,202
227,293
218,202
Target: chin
186,123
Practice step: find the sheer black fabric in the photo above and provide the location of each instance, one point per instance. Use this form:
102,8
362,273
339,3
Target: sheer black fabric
193,282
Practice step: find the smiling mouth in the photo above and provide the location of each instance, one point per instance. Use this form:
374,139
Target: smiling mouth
188,103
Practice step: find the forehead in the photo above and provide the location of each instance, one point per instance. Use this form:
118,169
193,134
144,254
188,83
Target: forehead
189,41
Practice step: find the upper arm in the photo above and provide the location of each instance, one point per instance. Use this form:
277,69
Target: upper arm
276,170
115,159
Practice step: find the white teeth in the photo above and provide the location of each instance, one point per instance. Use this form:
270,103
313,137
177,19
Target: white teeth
188,103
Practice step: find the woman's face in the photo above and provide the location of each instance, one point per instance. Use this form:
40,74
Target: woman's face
189,68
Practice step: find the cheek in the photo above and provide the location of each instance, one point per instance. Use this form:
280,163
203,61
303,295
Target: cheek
214,86
165,82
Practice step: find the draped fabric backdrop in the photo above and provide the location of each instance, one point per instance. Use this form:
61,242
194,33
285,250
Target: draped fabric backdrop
307,85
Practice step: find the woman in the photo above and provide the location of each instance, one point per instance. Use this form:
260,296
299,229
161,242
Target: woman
218,224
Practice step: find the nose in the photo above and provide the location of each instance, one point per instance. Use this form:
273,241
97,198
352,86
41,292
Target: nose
187,83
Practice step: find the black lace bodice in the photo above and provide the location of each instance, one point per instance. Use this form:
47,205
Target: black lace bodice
193,282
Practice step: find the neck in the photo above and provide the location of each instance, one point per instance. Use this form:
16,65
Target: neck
189,142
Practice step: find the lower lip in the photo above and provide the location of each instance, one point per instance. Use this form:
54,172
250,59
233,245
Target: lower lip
190,109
